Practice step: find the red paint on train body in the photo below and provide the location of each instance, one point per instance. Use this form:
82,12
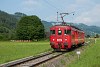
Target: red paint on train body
65,36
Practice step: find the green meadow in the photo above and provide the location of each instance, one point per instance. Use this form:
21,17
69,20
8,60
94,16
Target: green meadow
90,57
15,50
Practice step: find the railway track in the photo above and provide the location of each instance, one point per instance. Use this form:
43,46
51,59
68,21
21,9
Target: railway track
32,61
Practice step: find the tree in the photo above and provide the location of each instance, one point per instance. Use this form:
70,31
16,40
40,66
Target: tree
97,35
29,28
5,33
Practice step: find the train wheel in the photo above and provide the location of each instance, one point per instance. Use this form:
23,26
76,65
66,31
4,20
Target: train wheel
83,44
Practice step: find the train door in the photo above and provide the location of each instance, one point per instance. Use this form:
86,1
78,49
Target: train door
66,38
59,36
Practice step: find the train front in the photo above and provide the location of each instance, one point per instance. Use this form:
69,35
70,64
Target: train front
60,38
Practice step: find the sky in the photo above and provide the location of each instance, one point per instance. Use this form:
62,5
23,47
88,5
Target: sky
85,11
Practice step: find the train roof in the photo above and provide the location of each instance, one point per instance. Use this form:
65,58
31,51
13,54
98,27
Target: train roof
69,26
76,28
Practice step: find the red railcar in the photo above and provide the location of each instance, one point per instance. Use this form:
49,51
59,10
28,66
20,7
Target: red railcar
63,37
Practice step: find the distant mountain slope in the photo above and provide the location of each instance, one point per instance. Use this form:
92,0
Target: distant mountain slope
89,30
8,23
47,25
7,20
10,20
18,15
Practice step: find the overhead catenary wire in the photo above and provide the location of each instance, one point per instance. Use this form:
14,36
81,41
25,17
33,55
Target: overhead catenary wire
56,9
53,7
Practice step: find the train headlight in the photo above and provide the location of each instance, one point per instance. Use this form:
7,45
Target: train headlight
53,39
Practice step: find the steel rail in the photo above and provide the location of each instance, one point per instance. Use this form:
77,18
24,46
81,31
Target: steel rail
41,61
23,60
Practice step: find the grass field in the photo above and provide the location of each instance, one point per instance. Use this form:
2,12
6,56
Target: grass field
14,50
90,57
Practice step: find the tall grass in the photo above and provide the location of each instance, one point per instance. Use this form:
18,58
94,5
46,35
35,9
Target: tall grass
90,57
14,50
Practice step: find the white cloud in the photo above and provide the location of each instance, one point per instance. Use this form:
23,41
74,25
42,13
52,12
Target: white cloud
86,11
31,6
80,5
82,1
31,3
91,17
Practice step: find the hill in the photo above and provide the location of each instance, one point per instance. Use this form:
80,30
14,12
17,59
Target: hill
47,25
7,20
8,24
89,30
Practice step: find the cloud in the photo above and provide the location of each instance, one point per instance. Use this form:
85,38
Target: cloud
79,6
82,1
91,17
31,3
31,6
86,11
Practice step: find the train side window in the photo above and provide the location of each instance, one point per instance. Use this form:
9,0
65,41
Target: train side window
59,32
52,32
67,31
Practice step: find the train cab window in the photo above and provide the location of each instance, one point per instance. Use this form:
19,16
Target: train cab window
52,32
59,32
67,32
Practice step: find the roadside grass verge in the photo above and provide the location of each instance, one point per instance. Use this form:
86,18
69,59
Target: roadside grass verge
15,50
89,58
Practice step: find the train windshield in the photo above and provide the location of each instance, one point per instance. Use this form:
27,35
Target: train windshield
67,32
52,32
59,32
